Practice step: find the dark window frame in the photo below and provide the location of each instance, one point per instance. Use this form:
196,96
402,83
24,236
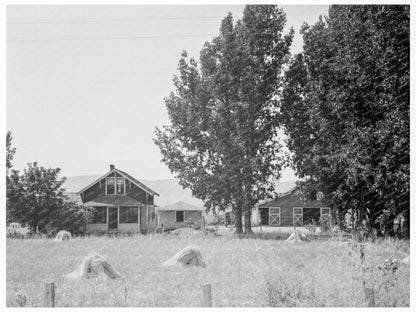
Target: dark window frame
123,192
112,185
176,215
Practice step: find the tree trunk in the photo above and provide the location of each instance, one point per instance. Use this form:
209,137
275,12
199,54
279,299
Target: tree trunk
406,225
247,207
247,222
238,220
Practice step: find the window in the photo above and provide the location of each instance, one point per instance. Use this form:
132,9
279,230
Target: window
129,214
100,215
115,186
120,186
180,216
111,185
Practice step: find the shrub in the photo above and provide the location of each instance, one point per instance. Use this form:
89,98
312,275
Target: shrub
15,230
326,223
311,226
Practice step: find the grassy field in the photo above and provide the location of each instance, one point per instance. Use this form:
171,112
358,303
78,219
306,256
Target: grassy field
242,272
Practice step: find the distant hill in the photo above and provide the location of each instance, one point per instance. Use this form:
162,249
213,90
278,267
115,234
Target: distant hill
169,190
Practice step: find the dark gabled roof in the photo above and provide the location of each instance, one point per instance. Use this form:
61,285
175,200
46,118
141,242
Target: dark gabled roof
113,200
180,205
293,200
125,175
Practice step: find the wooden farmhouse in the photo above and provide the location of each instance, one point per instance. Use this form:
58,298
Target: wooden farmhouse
289,210
121,202
179,215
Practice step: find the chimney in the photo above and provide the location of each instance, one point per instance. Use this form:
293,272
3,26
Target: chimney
112,167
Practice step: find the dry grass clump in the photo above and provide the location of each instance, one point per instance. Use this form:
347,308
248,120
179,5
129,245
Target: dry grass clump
94,266
187,233
18,300
62,236
15,230
190,256
242,272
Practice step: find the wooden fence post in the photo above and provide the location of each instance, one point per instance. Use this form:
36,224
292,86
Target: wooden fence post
369,297
206,292
49,294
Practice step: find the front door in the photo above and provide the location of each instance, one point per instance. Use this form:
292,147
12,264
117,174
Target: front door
113,218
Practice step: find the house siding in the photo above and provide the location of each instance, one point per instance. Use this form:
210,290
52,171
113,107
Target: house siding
97,227
168,219
128,227
138,194
97,190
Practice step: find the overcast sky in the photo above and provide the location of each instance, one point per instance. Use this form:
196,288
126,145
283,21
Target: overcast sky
82,104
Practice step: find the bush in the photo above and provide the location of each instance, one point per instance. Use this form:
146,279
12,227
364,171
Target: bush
326,223
15,230
311,226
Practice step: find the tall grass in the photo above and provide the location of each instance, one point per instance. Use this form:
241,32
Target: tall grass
242,272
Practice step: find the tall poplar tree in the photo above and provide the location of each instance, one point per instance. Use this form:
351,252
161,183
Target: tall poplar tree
222,142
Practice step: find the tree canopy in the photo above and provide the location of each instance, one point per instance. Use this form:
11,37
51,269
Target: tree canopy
346,107
222,141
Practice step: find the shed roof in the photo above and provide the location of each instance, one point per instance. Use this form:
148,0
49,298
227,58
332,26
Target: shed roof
73,197
113,200
180,205
293,200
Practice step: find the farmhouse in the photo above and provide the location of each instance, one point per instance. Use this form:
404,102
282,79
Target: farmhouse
121,202
289,210
178,215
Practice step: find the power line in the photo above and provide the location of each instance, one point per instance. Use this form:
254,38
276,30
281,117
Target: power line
119,20
139,19
111,38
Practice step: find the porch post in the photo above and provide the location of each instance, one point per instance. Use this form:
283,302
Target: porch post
118,218
138,218
147,213
108,218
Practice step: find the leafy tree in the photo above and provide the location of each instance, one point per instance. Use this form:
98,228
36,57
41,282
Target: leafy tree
10,151
222,139
36,198
346,108
10,180
71,216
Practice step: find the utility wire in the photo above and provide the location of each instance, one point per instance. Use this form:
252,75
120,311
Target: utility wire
111,38
118,20
138,19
